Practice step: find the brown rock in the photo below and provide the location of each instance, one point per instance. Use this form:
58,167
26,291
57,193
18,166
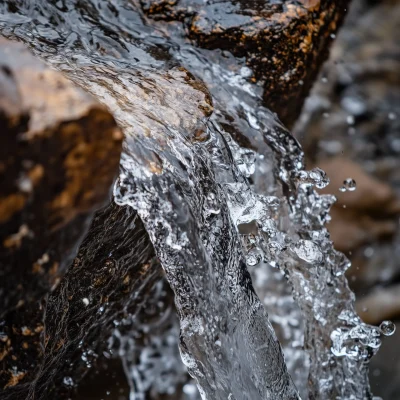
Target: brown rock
47,346
59,155
283,42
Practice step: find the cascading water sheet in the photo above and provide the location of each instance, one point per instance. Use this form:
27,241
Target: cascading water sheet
212,204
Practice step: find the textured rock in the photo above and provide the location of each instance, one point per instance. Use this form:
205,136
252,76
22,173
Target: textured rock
59,155
283,42
46,354
47,346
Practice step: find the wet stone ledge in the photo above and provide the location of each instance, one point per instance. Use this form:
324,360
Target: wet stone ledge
283,42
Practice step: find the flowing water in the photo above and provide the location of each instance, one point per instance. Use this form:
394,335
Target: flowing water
222,190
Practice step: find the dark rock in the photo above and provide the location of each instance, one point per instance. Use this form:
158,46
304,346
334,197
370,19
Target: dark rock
59,155
48,346
283,42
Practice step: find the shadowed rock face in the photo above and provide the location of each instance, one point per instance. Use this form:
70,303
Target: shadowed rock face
283,42
59,155
49,345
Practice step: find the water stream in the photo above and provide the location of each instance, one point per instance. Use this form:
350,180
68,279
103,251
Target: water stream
222,189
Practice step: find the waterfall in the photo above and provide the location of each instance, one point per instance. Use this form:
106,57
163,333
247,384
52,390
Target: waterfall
222,189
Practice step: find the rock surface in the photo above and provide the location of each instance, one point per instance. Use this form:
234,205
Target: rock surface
48,346
65,332
59,155
283,42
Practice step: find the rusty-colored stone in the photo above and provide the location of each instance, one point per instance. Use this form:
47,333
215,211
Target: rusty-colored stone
43,342
59,155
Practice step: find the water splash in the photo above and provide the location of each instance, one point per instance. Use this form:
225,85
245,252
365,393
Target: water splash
147,344
212,205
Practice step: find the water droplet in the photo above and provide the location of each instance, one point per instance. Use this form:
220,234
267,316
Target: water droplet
351,131
350,184
190,389
388,328
319,178
212,204
308,251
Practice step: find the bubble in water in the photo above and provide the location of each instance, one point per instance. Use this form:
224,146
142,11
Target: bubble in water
308,251
388,328
319,178
253,259
190,389
212,204
316,177
68,381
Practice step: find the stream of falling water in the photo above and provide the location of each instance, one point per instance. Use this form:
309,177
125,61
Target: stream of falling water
222,190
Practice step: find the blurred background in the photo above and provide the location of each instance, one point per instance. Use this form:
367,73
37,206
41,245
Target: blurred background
350,127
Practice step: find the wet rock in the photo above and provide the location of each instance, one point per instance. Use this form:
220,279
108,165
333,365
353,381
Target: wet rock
50,342
72,335
283,42
379,305
47,347
59,155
